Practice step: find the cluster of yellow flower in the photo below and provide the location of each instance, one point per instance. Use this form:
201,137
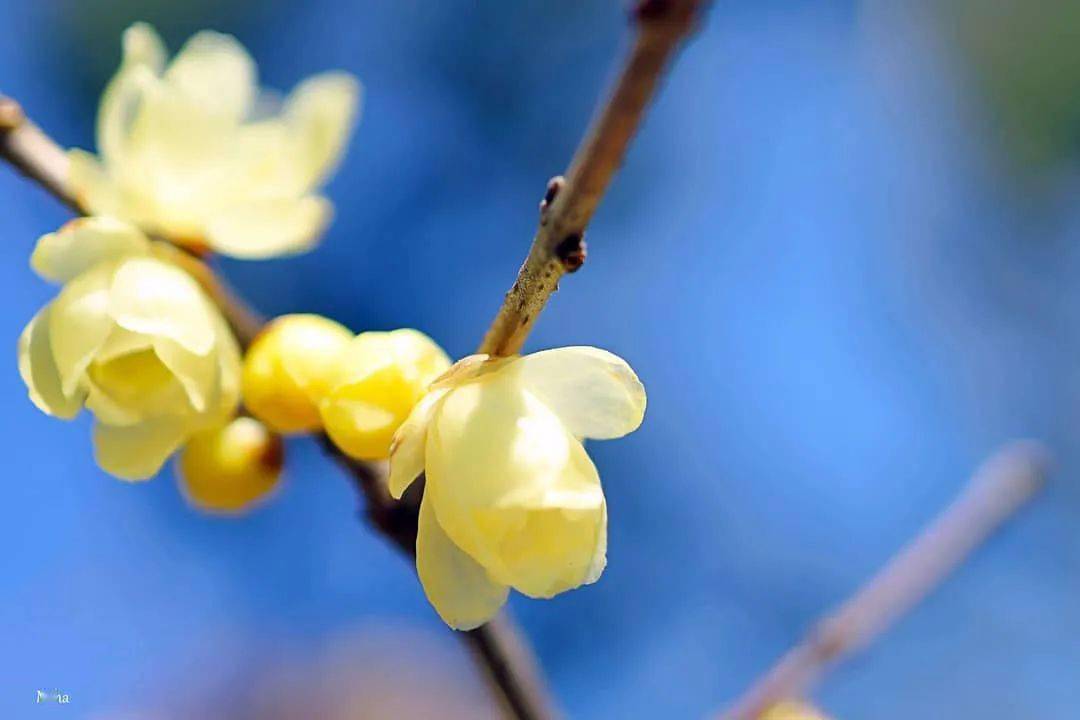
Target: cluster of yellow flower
191,152
511,498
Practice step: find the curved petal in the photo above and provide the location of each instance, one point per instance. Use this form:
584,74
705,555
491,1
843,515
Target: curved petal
120,104
144,58
137,452
513,488
271,227
229,362
458,587
216,71
407,447
594,392
83,243
80,323
98,401
197,374
322,111
152,297
94,189
599,558
143,46
38,370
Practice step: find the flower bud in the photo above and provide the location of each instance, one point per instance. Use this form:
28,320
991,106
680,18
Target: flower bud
382,375
289,368
229,468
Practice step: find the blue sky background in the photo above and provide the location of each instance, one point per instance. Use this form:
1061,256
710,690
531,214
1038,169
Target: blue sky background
843,256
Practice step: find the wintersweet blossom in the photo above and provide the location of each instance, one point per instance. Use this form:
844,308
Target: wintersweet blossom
289,368
791,710
228,469
511,499
134,339
381,376
192,150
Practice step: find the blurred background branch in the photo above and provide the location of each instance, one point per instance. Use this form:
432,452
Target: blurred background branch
1001,486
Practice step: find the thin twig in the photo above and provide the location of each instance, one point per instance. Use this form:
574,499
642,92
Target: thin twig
33,153
559,244
999,489
498,647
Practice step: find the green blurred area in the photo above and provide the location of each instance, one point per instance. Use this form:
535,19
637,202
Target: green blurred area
1023,58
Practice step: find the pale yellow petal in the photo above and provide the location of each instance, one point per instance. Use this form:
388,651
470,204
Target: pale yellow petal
120,342
458,587
80,323
152,297
216,71
197,374
229,370
135,386
143,60
594,392
321,112
267,228
177,167
106,409
137,452
407,447
123,342
599,558
143,46
120,105
38,370
83,243
513,488
94,189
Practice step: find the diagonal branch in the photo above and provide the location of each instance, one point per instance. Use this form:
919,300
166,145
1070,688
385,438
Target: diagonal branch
33,153
1003,485
559,244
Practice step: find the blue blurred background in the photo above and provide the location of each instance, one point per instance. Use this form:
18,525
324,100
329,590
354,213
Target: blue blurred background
843,255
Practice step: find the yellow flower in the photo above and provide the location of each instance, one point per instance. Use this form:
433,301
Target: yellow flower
790,710
382,376
192,151
134,339
289,368
229,468
511,498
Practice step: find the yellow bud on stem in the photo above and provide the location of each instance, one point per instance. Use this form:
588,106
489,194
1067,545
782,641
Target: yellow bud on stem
382,375
289,368
228,469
